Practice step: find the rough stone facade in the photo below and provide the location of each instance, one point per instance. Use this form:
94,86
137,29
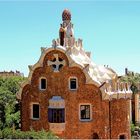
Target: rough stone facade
107,101
57,85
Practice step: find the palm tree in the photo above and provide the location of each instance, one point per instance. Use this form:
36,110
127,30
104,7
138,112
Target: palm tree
133,79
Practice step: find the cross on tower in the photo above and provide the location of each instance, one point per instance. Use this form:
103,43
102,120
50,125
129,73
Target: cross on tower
57,63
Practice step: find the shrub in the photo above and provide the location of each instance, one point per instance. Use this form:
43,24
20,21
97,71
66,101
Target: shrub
9,133
1,134
132,128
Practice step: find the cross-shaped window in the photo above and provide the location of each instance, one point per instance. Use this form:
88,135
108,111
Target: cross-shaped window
57,63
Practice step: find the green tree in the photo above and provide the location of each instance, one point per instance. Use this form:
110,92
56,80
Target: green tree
133,79
8,114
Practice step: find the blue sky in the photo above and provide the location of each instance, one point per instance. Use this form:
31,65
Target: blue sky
109,29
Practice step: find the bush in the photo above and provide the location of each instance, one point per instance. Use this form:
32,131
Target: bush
1,134
132,128
9,133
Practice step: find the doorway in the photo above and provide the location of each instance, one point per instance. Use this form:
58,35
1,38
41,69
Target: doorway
95,136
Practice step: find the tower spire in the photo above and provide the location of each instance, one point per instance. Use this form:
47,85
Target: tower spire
66,29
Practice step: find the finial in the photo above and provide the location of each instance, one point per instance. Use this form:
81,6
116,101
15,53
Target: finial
66,15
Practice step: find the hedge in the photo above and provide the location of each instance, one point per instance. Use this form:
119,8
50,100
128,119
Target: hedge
9,133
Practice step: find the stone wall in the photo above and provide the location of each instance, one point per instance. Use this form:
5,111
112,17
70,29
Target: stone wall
120,116
57,85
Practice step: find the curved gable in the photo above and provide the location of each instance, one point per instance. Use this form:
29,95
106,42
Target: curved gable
65,53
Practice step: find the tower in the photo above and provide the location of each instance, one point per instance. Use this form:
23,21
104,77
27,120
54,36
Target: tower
66,33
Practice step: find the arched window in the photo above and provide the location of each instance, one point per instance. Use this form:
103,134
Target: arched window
56,110
42,83
73,83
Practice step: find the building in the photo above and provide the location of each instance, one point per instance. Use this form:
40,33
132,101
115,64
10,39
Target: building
67,93
10,74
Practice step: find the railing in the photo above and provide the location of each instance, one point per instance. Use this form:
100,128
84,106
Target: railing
117,87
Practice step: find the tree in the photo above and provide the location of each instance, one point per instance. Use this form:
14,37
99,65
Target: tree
133,79
2,115
9,115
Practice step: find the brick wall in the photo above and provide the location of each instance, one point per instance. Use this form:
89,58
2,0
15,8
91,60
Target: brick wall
57,85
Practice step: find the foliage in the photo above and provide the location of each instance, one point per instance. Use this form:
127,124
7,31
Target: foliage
132,128
8,88
10,114
133,79
1,134
9,133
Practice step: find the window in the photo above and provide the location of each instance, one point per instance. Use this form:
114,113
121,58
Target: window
35,111
57,63
85,112
56,110
56,115
73,83
43,83
122,137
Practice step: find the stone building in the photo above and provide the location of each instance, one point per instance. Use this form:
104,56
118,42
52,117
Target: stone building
11,74
67,93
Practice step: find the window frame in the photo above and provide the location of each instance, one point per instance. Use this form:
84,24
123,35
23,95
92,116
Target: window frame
32,104
40,83
85,120
73,77
62,111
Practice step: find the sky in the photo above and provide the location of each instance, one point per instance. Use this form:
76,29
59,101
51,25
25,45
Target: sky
110,30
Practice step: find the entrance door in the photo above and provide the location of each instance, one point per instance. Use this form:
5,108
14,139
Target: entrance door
95,136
